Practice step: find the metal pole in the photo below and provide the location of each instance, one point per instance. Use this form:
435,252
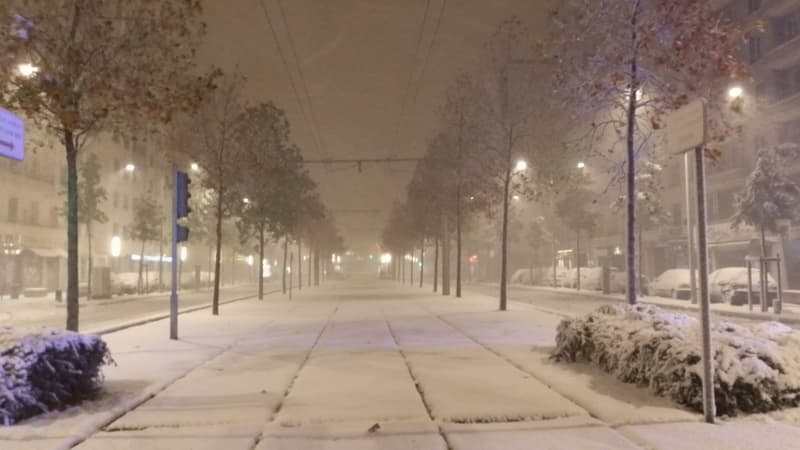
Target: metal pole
749,285
291,262
778,307
763,286
709,408
689,229
173,297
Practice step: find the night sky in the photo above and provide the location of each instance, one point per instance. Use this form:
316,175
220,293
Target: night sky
357,57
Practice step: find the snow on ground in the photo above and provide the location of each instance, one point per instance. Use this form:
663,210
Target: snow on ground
732,435
468,383
558,434
358,366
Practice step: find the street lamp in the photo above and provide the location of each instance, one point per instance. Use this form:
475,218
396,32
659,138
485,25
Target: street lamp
246,200
195,167
116,246
130,167
27,70
521,166
250,260
581,165
184,253
735,92
516,197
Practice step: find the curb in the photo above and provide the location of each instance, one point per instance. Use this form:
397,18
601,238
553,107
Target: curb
162,316
736,314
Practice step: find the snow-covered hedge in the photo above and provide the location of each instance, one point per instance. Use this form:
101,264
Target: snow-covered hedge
47,370
757,368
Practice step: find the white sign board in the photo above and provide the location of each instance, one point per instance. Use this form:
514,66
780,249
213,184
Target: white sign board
686,128
12,136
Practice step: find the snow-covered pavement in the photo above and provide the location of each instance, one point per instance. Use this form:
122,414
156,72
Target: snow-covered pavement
365,365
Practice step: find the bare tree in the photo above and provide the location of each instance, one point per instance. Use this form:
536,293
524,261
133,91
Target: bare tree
207,138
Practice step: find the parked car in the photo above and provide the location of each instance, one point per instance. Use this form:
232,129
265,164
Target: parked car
729,285
673,283
619,282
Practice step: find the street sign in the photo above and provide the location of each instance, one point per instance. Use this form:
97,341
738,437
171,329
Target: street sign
12,136
686,128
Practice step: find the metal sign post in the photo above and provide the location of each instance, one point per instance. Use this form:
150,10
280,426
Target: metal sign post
686,131
173,297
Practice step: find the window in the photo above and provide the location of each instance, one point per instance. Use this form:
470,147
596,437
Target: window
753,6
13,209
34,215
787,27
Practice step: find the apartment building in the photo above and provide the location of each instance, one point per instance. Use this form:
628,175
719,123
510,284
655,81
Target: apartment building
32,225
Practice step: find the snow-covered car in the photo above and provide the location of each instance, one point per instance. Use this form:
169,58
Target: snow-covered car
672,283
729,285
619,282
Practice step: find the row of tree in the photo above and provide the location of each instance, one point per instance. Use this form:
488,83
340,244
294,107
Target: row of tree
603,79
83,68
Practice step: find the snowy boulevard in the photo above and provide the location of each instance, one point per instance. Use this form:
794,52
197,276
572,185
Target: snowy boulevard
367,364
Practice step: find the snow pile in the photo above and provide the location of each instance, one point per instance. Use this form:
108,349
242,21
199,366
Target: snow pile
47,370
757,368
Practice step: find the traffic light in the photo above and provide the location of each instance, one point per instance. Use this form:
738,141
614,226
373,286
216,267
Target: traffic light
182,209
182,183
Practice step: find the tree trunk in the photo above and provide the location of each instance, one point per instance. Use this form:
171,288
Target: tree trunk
210,258
445,256
763,272
421,261
217,257
631,162
316,266
299,264
261,262
436,264
310,252
504,243
641,255
458,241
91,260
411,268
72,231
285,260
161,259
140,283
578,256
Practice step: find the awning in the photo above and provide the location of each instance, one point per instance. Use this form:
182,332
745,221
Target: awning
47,252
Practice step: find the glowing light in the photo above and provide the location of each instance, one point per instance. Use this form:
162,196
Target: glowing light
250,260
521,166
386,258
130,167
516,197
184,253
246,201
116,246
27,70
195,167
581,165
735,92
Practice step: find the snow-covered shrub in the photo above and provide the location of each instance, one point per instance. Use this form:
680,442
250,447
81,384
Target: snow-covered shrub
756,368
47,370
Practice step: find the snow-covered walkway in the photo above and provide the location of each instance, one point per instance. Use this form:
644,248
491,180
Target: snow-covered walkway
365,364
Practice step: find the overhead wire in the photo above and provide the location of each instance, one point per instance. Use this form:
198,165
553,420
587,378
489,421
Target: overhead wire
289,74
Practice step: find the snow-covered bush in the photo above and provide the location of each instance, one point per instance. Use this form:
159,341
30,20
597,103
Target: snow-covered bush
756,368
47,370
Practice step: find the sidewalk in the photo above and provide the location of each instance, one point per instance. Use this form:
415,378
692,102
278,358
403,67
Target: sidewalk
789,315
372,366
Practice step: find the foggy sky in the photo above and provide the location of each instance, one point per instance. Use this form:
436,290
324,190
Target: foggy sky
357,57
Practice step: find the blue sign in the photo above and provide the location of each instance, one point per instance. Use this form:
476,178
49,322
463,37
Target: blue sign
12,136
